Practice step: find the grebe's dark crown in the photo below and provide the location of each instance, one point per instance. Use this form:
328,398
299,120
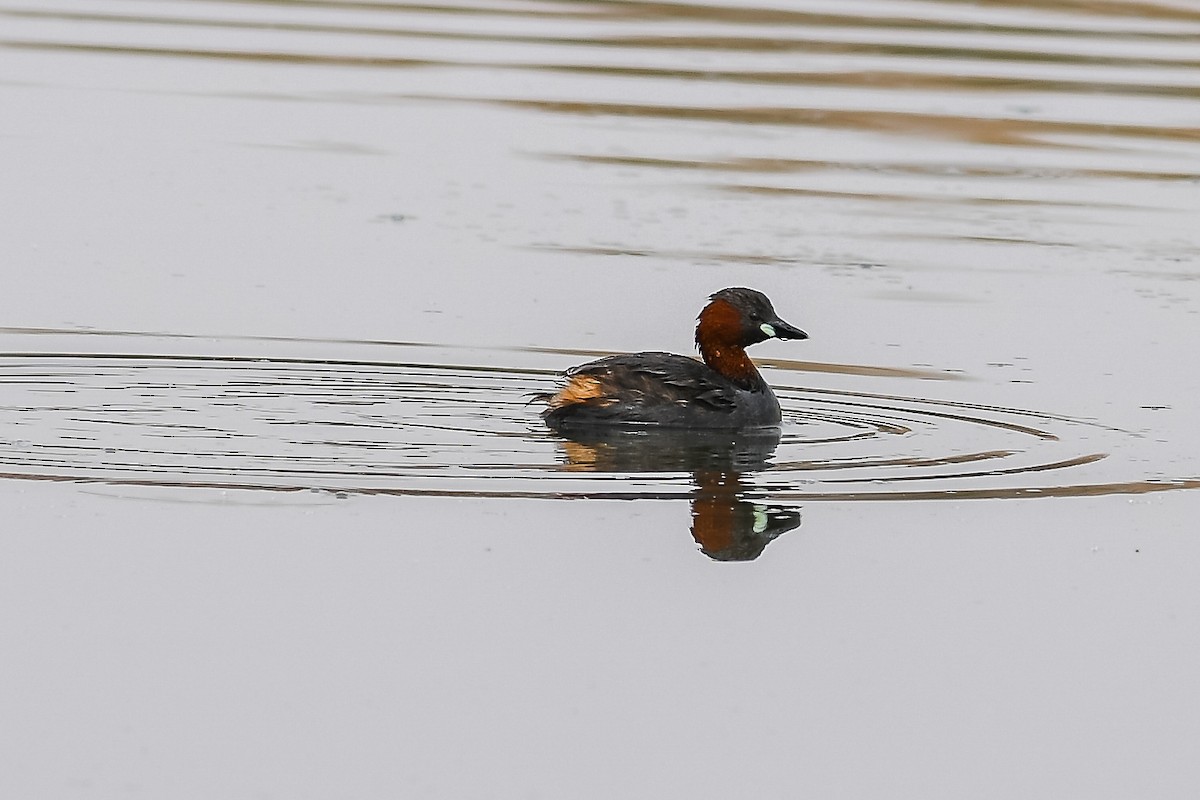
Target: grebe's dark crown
751,302
740,294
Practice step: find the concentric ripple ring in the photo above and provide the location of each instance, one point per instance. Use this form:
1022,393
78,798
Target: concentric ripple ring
378,426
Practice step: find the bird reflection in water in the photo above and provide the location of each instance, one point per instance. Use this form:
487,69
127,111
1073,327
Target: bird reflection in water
726,523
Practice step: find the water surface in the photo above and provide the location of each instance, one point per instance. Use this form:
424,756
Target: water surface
282,522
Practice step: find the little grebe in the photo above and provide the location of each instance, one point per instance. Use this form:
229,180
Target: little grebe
665,389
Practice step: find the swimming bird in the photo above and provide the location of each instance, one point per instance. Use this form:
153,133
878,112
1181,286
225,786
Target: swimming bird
669,390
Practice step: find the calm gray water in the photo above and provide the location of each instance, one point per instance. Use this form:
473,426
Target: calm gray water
281,277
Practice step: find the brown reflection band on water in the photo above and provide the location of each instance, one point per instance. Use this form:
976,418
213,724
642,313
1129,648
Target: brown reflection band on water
881,79
559,11
785,16
861,369
873,79
778,363
641,12
981,130
674,255
28,331
889,198
219,362
773,41
921,169
895,198
226,55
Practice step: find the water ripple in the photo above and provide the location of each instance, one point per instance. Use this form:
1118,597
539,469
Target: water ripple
462,429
